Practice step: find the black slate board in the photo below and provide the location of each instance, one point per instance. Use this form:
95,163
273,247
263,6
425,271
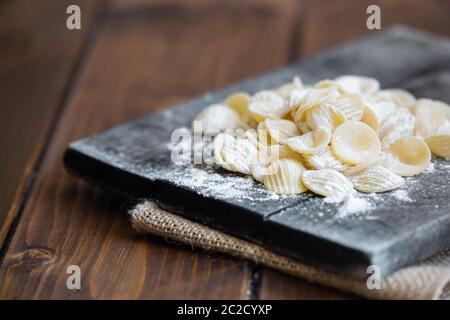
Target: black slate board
134,159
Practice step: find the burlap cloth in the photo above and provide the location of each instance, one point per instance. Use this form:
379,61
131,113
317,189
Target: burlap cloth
429,279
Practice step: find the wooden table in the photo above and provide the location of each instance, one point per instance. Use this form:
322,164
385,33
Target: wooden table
129,59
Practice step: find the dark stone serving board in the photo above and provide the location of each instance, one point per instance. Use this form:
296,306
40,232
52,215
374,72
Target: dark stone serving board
134,159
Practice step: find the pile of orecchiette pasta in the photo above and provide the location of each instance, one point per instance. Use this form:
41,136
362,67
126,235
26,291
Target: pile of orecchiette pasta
330,138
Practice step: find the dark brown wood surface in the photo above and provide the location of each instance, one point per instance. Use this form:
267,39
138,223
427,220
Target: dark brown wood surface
129,59
38,58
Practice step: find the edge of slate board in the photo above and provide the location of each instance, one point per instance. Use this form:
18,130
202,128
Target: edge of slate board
349,259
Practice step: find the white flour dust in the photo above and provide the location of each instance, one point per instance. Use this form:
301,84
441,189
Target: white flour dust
351,203
401,195
209,183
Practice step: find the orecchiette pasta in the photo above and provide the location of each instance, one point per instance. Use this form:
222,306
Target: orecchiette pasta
311,142
234,154
303,126
315,97
401,98
408,156
267,155
439,145
329,84
399,124
267,105
324,159
350,105
369,117
239,102
280,130
286,89
377,179
429,117
347,132
381,109
264,138
358,84
355,142
326,182
296,96
286,177
324,116
216,118
359,168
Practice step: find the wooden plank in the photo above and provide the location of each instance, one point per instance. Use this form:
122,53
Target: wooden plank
142,60
37,56
328,23
273,286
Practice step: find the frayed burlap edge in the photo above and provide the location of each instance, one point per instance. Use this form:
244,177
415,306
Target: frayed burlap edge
428,280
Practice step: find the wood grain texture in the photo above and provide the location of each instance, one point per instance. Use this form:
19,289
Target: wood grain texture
273,286
37,57
144,57
148,54
328,23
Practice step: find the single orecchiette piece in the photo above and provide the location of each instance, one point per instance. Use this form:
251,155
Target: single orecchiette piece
216,118
355,142
376,112
358,84
350,105
382,109
408,156
286,177
234,154
239,102
326,182
400,97
267,105
286,89
425,101
311,142
280,130
399,124
315,97
439,145
324,159
429,117
324,116
377,179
